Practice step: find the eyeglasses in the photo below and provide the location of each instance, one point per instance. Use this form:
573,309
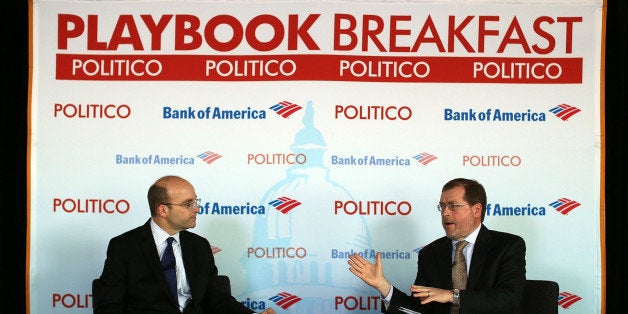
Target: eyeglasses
189,205
453,207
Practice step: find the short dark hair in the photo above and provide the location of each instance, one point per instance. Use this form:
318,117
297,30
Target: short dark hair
473,191
158,194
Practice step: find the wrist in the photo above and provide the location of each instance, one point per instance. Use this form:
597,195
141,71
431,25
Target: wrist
455,297
384,290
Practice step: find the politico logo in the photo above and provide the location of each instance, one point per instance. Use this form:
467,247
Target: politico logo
372,208
564,205
276,252
491,161
276,159
92,111
90,206
564,111
357,303
284,204
72,301
389,113
566,299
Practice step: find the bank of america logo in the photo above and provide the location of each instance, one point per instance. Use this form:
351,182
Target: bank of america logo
209,157
566,299
284,204
215,249
285,109
564,111
425,158
285,300
564,205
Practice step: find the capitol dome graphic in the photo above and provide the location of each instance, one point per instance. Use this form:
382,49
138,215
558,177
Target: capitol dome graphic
318,278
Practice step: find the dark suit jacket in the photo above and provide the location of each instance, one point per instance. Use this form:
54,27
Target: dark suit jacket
132,280
496,276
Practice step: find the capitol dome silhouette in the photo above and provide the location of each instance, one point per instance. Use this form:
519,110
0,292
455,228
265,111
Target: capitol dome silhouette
312,226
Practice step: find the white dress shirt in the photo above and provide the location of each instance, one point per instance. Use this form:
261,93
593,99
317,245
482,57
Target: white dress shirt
160,236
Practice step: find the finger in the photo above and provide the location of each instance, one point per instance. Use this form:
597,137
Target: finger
357,259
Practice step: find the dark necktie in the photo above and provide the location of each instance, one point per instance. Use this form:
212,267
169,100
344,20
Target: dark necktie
169,265
459,271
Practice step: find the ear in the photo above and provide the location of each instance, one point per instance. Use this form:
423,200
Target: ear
162,210
477,210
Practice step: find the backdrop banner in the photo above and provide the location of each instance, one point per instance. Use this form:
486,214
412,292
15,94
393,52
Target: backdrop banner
312,130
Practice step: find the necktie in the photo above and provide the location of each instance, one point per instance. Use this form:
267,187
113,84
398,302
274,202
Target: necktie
169,266
459,271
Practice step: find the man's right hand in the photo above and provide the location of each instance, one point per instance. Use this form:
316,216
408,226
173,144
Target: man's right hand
371,274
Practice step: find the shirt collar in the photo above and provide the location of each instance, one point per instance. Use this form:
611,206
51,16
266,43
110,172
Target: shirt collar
471,238
160,235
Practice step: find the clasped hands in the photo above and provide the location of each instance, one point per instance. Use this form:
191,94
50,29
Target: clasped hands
373,275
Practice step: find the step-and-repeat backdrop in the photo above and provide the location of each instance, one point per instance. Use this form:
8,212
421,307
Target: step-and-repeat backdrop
312,130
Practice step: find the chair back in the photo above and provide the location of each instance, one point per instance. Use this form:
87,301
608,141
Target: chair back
540,297
224,283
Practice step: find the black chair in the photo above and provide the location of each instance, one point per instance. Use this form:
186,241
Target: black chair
540,297
224,283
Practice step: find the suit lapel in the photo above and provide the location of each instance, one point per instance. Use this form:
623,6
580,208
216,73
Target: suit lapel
149,251
444,261
480,252
187,251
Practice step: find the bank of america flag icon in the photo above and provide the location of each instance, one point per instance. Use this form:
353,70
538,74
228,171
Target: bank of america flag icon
285,299
564,111
425,158
564,205
284,204
208,156
285,108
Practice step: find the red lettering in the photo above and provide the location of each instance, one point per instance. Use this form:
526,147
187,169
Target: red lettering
236,28
295,32
156,29
422,38
551,42
278,32
348,31
483,31
65,31
126,23
92,34
456,32
569,30
396,31
519,39
186,27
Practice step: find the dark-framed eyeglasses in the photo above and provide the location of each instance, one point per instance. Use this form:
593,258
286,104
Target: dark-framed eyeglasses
189,205
453,207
